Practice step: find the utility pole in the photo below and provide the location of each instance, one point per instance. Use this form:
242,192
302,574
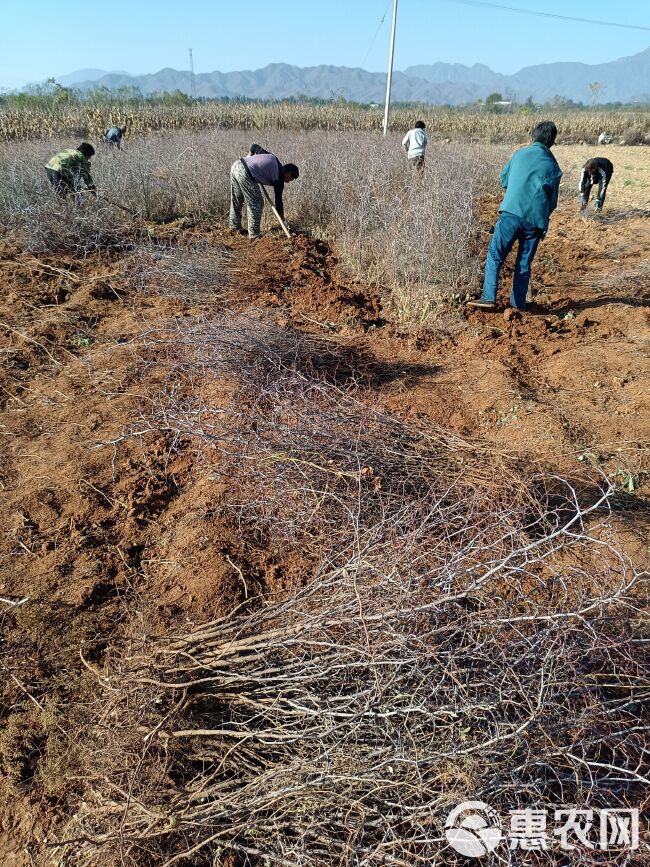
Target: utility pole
192,79
390,66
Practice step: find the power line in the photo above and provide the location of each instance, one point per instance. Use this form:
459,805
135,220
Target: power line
539,14
374,38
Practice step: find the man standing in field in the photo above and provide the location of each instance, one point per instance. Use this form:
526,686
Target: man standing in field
69,168
415,144
531,180
113,136
598,170
246,175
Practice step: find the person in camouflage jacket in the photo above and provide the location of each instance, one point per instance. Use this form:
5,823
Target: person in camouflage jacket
69,168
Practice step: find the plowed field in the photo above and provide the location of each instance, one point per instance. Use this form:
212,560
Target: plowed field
98,530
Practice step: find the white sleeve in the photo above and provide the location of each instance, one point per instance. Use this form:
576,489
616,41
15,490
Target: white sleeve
581,181
406,139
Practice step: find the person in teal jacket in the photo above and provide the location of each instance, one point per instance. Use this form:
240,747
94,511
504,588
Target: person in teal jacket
531,180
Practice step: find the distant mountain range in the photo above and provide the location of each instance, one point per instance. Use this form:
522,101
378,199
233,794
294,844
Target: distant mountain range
624,80
87,75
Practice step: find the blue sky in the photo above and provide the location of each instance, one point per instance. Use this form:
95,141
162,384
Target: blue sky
39,38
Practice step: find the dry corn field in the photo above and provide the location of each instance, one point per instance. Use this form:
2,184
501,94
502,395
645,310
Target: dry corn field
86,120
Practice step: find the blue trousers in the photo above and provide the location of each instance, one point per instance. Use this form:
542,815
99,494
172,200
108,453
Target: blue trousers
510,228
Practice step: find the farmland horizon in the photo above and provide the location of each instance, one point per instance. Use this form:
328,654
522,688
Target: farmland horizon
623,80
77,76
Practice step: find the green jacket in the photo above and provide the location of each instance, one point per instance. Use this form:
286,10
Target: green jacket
71,164
532,181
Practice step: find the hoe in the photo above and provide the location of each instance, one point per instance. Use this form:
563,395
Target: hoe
279,218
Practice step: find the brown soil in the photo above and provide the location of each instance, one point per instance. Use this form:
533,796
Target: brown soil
94,535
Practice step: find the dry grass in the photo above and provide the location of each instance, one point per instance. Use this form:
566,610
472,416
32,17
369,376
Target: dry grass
413,237
462,632
416,238
196,273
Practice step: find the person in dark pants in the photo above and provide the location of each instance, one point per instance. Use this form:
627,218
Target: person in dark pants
531,179
68,169
113,136
598,170
415,144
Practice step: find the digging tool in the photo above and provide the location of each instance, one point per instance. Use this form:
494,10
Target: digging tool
121,207
279,218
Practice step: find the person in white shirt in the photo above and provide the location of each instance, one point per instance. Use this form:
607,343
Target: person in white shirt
415,143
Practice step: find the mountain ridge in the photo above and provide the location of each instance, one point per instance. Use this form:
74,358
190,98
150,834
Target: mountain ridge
626,79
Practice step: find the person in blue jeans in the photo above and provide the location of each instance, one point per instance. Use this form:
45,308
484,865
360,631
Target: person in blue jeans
531,180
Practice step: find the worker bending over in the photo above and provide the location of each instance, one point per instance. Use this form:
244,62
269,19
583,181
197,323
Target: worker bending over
68,169
598,170
113,136
246,175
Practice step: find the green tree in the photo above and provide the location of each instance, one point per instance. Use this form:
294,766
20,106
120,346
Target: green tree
528,107
492,103
61,95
